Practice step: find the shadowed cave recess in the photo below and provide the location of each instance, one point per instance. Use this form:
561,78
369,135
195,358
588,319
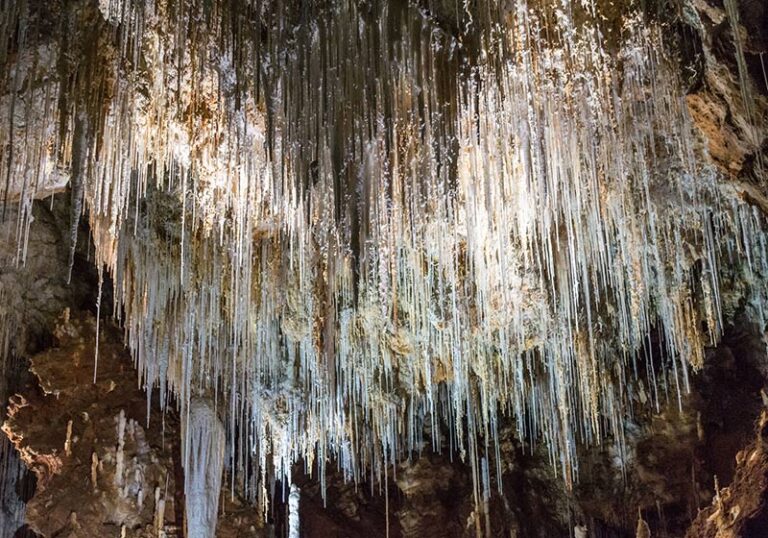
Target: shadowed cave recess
396,268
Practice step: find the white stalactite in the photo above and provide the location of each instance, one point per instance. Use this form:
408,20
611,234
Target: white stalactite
355,228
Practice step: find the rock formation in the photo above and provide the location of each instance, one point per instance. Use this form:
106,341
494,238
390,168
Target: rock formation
386,268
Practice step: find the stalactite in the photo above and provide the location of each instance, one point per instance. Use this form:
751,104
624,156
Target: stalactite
348,224
748,100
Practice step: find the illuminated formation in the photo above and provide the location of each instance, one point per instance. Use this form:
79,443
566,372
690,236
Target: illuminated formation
346,224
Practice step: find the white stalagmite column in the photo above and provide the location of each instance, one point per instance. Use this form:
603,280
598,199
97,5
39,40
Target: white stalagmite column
203,439
120,455
293,512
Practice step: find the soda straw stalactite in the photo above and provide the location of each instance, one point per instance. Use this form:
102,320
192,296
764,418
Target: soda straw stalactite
345,223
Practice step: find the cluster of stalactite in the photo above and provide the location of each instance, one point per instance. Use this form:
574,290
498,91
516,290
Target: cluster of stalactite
365,228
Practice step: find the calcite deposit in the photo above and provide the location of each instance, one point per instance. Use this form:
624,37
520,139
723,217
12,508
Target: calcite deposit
381,268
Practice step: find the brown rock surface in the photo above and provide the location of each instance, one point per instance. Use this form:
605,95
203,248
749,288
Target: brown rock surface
741,509
68,433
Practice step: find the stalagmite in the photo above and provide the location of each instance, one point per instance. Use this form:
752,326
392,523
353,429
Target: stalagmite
95,470
120,452
159,513
68,441
293,512
643,530
203,446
